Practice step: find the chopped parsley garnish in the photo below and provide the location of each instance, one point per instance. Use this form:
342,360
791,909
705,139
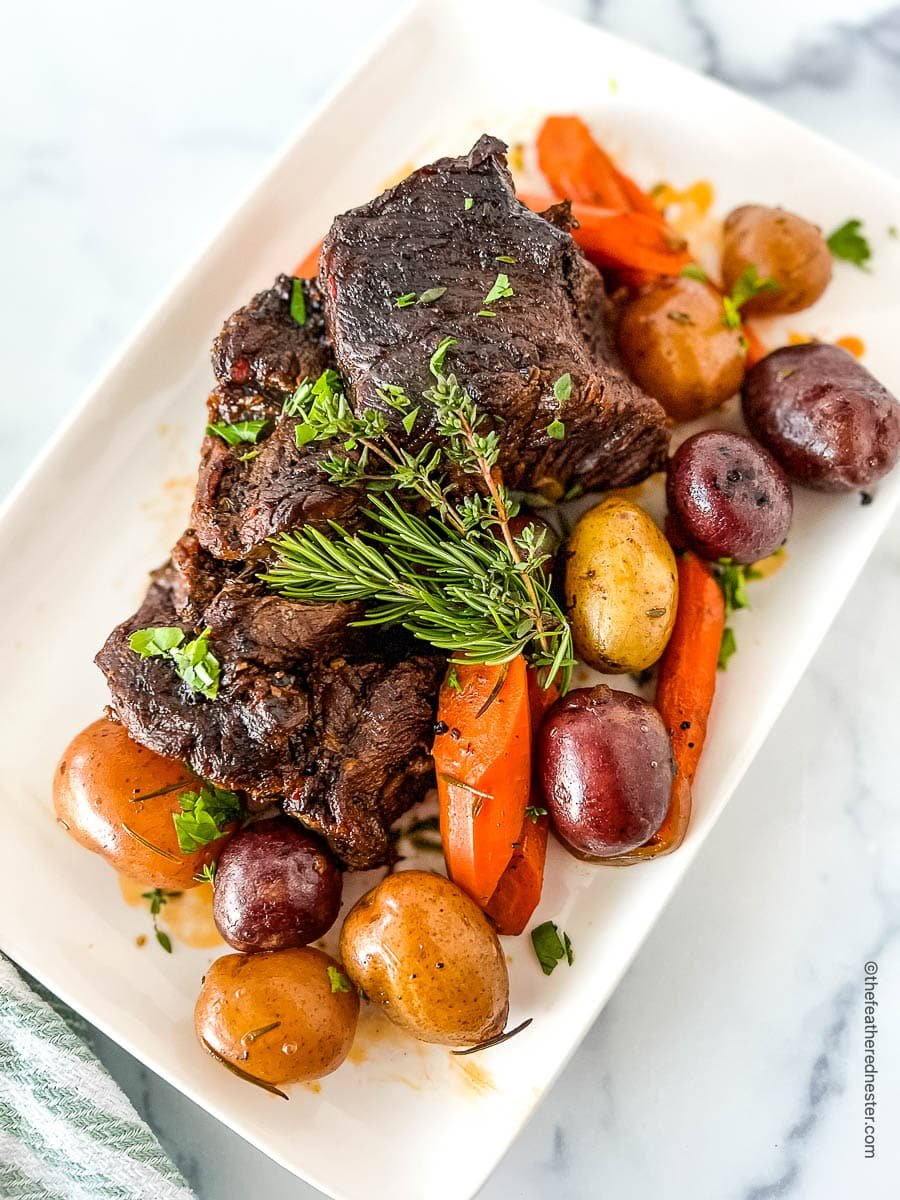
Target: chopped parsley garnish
500,291
504,258
338,980
406,300
695,271
157,898
298,302
204,815
732,578
727,648
562,389
550,948
431,294
848,243
467,204
556,429
194,662
452,680
154,642
242,432
534,813
747,286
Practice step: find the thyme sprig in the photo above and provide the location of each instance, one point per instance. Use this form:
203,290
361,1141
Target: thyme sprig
456,577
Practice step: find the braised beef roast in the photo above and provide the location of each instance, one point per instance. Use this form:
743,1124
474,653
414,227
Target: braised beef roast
336,722
333,721
259,358
424,234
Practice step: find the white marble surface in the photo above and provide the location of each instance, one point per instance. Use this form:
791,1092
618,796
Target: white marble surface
729,1064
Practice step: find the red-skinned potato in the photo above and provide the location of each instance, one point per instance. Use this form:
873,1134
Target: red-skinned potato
98,787
606,771
276,886
826,419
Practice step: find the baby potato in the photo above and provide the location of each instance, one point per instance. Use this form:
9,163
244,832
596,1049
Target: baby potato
424,952
676,346
283,1016
780,246
621,587
97,787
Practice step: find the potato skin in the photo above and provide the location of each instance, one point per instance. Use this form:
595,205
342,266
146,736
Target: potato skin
728,497
826,419
621,587
606,771
246,992
423,951
781,246
276,886
676,346
94,788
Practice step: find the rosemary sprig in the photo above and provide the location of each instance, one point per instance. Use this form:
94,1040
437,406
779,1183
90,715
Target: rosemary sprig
446,577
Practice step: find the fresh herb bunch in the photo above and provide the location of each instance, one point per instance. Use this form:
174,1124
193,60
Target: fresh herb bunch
446,576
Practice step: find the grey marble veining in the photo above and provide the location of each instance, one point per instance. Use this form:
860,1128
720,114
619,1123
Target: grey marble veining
728,1065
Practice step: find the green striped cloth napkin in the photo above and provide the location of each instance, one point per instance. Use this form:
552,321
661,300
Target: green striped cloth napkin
66,1130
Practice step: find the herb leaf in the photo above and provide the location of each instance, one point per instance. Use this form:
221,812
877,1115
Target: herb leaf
157,898
500,290
198,666
849,244
694,271
727,648
194,662
338,980
204,816
748,285
562,389
405,300
556,429
550,947
156,641
298,302
431,294
467,203
534,813
241,432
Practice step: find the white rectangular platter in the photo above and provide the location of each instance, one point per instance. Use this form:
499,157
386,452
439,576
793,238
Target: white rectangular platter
112,492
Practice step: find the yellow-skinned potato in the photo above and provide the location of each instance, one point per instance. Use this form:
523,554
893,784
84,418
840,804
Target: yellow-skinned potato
621,587
282,1016
425,954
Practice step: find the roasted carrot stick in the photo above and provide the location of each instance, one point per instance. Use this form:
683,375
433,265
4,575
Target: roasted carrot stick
575,165
686,680
686,683
482,758
621,240
308,268
519,889
629,240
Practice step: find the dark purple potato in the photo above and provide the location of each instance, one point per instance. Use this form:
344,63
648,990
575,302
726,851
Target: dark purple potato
606,769
276,886
827,420
728,497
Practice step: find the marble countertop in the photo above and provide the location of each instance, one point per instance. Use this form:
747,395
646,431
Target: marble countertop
729,1063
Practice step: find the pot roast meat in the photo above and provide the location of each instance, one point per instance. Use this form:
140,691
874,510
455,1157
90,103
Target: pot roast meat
259,358
423,234
261,353
334,722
